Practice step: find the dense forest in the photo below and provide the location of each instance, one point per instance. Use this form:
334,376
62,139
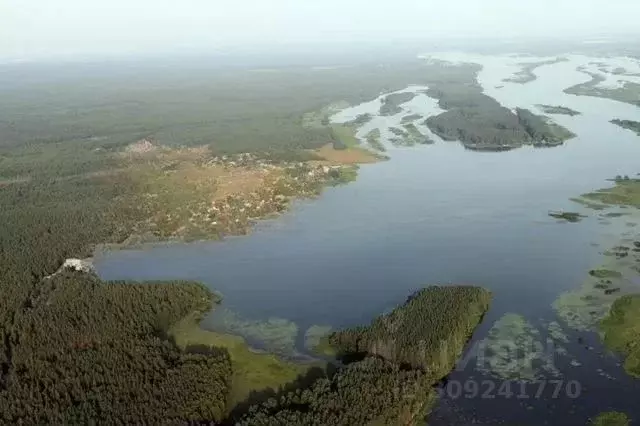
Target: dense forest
427,332
372,391
482,123
83,350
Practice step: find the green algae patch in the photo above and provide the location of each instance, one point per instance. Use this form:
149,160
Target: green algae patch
428,332
277,335
557,333
584,307
514,350
316,341
252,371
621,329
610,418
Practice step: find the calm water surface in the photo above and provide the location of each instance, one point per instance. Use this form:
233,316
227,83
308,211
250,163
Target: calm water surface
436,215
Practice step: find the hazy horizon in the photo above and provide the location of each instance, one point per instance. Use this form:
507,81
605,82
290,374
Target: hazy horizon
32,29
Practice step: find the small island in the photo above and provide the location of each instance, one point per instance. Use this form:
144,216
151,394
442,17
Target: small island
561,110
391,103
526,75
628,124
481,123
567,216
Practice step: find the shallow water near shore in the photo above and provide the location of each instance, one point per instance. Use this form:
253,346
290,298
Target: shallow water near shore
438,214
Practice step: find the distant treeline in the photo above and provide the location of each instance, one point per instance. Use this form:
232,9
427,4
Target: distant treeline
238,111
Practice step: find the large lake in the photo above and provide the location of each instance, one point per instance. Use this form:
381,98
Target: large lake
437,214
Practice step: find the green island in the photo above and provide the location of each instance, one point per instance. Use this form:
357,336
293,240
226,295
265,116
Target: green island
628,93
481,123
390,366
628,124
526,75
567,216
408,135
391,103
557,109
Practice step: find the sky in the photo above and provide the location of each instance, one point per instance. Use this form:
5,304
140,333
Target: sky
61,28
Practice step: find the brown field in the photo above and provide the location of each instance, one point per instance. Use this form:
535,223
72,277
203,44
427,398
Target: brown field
345,156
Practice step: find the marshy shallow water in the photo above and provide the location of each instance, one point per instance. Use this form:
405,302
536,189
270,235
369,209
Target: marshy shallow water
436,214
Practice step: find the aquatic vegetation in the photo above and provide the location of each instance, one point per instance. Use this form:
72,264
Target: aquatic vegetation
605,273
557,333
610,418
251,371
624,193
589,203
584,307
621,330
373,139
372,391
409,135
628,124
316,340
514,350
277,335
551,109
568,216
429,331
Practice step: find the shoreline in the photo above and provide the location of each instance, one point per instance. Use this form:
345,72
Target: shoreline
333,167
